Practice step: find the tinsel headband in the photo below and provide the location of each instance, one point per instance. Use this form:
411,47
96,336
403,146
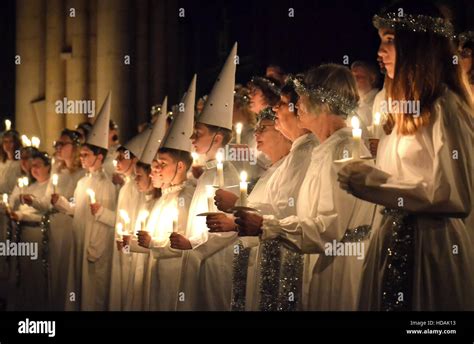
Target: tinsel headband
266,113
414,23
258,80
333,98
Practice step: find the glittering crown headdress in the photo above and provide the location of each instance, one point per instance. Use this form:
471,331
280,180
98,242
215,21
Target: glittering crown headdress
414,23
325,95
155,109
266,113
464,37
258,80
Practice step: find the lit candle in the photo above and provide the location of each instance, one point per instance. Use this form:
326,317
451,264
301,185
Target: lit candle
220,169
238,132
377,127
119,229
35,142
8,124
356,137
243,188
126,219
195,158
5,201
25,141
114,162
91,194
210,197
25,181
174,215
143,216
55,182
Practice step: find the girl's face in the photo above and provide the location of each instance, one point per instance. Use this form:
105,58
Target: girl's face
266,136
64,148
387,50
39,170
8,144
142,179
285,116
257,100
25,162
124,162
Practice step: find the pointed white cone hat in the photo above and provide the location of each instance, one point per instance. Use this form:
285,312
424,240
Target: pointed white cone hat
180,131
157,134
99,135
220,103
136,145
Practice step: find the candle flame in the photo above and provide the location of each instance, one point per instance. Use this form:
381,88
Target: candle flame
355,122
25,181
5,198
124,216
243,176
219,157
35,142
25,141
8,124
238,128
377,118
55,179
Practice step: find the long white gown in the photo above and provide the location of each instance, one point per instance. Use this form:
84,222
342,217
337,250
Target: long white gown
208,287
10,171
29,278
166,278
60,234
430,187
129,200
272,258
326,215
90,260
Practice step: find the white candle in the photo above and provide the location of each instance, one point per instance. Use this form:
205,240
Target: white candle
377,126
174,215
220,169
238,132
55,182
195,158
119,229
91,194
126,219
210,197
143,216
8,124
243,188
35,142
356,137
5,200
114,162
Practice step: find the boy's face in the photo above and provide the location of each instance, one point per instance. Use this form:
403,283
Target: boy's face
201,138
167,167
155,175
142,179
88,159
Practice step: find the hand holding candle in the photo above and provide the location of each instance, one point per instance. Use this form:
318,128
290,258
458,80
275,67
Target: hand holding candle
356,137
243,188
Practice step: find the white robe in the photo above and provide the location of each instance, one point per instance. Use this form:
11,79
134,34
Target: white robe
28,274
208,287
129,200
432,171
280,199
60,234
324,214
366,104
135,278
166,278
93,242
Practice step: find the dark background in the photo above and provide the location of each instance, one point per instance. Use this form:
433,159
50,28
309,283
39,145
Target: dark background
321,31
